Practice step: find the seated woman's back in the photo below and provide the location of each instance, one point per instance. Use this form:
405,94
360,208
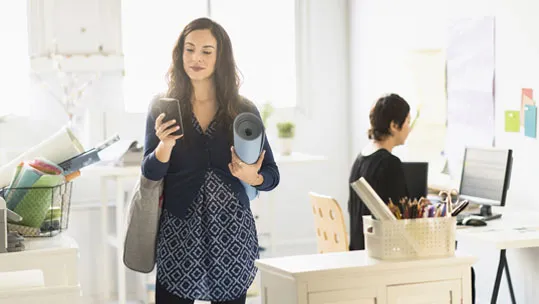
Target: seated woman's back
390,125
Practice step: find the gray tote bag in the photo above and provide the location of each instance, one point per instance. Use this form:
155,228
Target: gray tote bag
142,225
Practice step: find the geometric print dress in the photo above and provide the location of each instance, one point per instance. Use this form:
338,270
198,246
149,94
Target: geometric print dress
209,255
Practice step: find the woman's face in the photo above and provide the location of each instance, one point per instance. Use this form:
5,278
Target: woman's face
199,55
401,134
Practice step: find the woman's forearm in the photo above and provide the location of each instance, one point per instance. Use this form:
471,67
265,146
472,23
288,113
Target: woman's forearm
162,152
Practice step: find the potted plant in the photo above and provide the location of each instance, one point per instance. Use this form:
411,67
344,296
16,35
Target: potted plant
286,134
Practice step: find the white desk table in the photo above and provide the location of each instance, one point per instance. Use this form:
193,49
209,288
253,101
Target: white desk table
57,258
514,230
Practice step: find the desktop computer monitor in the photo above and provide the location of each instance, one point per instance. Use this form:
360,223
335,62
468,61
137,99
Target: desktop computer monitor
416,176
486,173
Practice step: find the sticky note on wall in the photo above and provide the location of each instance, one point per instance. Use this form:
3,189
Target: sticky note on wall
512,121
530,121
526,98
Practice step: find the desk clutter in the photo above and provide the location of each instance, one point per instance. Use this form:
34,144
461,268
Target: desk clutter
407,229
37,185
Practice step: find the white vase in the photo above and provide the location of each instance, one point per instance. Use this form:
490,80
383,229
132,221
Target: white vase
286,146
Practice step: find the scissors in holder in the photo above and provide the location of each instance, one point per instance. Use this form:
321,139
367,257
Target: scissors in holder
447,197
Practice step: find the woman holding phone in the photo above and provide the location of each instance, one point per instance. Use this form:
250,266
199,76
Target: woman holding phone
207,241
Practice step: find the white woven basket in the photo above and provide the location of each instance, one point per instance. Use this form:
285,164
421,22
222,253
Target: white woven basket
410,239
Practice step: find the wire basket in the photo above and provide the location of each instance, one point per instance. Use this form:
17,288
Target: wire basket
410,238
44,210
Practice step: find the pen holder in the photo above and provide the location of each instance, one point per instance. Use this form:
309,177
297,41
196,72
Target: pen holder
410,239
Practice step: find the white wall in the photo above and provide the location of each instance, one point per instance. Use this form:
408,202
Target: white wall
380,28
322,130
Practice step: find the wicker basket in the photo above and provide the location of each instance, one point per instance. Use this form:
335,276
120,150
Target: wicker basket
45,210
410,239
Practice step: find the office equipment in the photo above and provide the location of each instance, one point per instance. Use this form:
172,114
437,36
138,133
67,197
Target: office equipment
473,221
410,239
87,158
485,178
371,199
416,175
58,147
172,109
459,208
353,277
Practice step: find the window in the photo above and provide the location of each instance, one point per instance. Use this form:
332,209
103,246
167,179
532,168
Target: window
14,59
263,40
150,32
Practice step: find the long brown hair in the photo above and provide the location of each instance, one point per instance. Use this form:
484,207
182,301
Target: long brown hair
226,76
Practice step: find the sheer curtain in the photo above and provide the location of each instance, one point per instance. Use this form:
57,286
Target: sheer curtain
14,59
149,32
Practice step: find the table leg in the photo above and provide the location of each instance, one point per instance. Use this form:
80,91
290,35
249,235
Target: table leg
511,292
120,201
105,268
501,265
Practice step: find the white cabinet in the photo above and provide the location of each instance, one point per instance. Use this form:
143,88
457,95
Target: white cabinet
347,296
443,292
354,278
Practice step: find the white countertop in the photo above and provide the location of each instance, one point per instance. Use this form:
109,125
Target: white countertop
348,261
515,229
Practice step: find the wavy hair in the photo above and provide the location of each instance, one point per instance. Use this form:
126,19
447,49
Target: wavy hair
226,75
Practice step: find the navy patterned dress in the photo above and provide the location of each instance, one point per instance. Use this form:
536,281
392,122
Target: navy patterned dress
209,255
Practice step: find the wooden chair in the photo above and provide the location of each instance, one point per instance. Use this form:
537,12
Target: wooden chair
329,222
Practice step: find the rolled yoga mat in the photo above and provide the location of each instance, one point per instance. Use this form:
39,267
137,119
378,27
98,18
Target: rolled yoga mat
248,142
59,147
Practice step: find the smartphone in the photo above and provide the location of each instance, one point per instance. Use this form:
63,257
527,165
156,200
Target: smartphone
171,108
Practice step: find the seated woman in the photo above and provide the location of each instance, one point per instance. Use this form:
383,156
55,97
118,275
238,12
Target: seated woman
390,126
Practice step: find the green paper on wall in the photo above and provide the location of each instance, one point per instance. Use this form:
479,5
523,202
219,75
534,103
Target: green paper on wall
512,121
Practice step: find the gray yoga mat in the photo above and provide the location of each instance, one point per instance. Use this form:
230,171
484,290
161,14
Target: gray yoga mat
248,142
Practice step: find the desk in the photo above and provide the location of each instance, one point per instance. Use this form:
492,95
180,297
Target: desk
512,231
353,277
118,175
57,258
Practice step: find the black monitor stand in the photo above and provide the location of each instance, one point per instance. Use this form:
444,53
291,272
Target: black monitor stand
486,213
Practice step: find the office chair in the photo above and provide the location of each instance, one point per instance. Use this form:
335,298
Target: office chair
329,223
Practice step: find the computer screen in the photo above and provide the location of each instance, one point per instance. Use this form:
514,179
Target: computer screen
485,175
416,175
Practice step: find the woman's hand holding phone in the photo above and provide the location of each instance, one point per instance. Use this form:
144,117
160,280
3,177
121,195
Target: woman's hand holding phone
164,130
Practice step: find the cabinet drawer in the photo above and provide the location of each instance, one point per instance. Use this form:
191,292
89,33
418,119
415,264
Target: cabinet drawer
442,292
346,296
